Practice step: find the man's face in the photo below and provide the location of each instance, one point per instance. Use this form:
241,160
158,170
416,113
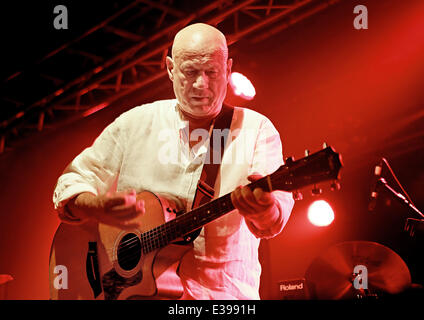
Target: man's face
200,81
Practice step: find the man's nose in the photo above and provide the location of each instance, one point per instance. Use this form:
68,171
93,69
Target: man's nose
202,81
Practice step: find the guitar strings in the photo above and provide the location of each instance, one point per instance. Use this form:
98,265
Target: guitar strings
150,238
156,238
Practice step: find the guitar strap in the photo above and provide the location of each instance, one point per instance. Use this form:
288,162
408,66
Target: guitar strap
218,139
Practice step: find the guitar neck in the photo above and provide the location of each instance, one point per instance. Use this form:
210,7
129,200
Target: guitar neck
188,222
320,166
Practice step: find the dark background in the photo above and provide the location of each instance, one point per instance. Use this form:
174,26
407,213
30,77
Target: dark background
361,91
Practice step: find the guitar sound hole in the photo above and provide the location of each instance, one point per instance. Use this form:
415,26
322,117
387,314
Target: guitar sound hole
129,251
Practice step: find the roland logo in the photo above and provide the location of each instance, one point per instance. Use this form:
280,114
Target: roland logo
291,287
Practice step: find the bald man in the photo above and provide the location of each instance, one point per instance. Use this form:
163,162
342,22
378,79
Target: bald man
161,147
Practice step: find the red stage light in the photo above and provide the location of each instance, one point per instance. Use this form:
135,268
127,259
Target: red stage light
320,213
242,86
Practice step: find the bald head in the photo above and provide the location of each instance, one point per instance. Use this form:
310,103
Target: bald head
200,39
199,69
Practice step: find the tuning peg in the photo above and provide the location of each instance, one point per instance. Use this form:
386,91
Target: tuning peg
297,195
324,145
316,191
335,186
306,153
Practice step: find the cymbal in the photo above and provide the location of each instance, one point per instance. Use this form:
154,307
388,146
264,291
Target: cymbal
331,276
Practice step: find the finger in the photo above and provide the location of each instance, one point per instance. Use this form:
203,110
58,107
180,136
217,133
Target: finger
121,201
239,202
140,206
235,195
121,198
265,199
254,177
114,201
252,200
130,198
248,197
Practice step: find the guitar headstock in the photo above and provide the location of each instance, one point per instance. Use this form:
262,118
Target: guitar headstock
320,166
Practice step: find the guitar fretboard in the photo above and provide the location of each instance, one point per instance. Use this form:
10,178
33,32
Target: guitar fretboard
188,222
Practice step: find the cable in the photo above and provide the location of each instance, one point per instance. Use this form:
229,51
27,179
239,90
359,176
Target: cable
397,181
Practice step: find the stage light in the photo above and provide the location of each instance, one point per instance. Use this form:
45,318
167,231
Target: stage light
320,213
242,86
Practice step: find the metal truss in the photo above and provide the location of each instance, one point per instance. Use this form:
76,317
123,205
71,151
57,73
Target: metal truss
124,53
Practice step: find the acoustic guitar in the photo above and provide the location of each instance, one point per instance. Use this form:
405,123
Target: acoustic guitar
98,261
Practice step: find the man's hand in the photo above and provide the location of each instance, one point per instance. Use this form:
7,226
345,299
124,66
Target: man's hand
118,209
257,206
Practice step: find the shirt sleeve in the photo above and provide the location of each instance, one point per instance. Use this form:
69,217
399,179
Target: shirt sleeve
268,157
94,170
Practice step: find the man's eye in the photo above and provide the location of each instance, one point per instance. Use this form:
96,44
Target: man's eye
212,74
190,72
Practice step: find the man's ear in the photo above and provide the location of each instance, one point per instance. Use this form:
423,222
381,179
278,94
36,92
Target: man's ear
229,65
170,67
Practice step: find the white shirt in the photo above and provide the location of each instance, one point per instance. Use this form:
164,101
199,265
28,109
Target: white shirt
146,148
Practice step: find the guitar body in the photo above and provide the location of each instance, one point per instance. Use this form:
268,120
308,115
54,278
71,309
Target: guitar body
97,261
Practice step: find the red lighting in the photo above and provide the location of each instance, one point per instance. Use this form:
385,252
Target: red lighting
95,109
320,213
20,115
242,86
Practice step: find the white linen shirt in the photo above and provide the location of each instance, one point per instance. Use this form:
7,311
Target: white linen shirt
146,148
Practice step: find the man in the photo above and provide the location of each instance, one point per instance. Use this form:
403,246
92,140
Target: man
130,154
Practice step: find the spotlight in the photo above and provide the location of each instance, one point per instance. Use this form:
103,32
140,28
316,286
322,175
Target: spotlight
242,86
320,213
